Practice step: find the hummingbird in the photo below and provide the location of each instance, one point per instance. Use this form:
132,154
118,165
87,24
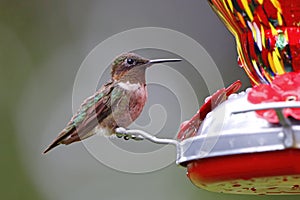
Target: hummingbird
116,104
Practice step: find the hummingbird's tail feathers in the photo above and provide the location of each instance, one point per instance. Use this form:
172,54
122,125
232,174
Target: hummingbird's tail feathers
64,137
51,146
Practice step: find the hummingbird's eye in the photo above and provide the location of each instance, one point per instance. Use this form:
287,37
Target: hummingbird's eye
130,61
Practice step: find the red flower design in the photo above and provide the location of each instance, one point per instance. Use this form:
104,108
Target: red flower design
189,128
284,87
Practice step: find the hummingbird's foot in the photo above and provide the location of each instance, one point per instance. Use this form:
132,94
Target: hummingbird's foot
122,133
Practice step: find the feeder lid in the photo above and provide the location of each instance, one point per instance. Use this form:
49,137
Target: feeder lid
234,128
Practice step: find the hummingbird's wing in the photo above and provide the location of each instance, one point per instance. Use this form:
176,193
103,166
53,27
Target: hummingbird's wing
92,111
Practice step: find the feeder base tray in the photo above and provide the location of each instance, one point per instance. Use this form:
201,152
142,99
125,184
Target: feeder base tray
275,172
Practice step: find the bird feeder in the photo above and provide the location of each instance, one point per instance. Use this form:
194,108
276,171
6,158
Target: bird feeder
249,142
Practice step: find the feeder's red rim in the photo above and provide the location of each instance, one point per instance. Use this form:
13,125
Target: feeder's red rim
246,166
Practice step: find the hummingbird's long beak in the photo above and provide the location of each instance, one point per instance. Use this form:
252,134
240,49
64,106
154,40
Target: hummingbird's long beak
155,61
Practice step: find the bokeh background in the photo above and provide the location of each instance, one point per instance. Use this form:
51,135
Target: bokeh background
42,45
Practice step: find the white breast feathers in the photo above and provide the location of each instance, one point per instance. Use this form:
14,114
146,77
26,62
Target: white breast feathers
129,86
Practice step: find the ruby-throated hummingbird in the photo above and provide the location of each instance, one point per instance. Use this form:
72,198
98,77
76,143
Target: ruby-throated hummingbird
116,104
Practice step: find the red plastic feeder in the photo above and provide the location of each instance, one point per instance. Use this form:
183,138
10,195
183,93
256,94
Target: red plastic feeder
234,150
252,140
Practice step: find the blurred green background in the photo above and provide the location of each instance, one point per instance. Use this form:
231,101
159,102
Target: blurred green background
42,44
